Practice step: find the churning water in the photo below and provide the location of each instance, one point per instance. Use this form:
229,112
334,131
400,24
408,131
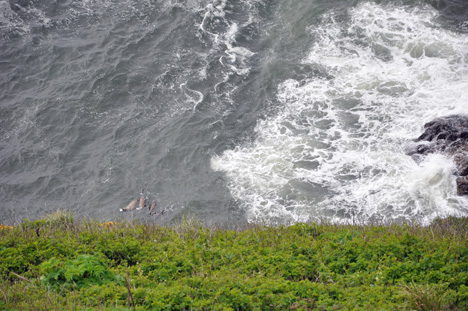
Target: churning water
275,111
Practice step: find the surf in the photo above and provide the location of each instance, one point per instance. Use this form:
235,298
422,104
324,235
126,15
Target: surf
335,148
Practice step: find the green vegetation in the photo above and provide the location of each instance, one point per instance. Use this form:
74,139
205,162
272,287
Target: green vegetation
58,263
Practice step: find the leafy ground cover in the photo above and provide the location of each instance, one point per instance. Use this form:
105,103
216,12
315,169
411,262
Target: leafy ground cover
58,263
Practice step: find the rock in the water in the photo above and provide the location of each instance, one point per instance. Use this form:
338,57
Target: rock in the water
462,186
448,129
461,160
447,135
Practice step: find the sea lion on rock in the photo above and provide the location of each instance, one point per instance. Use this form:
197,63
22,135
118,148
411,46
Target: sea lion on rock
131,206
447,135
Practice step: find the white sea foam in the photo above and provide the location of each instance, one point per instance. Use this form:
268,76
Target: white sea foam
10,23
223,33
336,149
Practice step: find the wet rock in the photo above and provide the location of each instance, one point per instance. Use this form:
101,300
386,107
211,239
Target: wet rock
447,129
447,135
461,160
462,186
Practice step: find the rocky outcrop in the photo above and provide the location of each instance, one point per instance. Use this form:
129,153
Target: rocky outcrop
447,135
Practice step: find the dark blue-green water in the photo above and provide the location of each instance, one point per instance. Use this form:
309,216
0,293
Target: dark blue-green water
228,111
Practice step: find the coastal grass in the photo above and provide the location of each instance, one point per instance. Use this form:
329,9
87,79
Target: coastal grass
58,263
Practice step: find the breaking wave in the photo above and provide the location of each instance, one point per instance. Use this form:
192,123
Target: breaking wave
336,148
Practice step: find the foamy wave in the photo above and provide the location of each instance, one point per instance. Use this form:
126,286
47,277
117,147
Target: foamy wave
336,150
10,23
223,32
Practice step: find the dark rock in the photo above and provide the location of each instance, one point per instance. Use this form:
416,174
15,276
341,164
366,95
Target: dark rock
446,128
422,149
447,135
462,164
462,186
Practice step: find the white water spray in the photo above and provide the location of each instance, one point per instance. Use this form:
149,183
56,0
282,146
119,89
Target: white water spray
336,150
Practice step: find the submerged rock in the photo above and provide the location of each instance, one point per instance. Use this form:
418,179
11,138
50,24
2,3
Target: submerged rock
447,135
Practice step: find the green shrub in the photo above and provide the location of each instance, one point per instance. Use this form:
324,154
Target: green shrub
189,267
81,272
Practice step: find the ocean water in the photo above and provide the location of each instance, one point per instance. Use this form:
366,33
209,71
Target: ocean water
229,111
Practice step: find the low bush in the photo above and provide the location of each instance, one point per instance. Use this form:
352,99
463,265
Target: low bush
60,263
81,272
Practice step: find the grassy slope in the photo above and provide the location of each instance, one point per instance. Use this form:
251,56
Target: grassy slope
85,265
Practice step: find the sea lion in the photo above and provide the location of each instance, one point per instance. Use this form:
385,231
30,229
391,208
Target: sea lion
130,206
152,208
161,212
142,202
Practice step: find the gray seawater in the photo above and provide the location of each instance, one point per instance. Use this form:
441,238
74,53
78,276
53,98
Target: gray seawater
228,111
